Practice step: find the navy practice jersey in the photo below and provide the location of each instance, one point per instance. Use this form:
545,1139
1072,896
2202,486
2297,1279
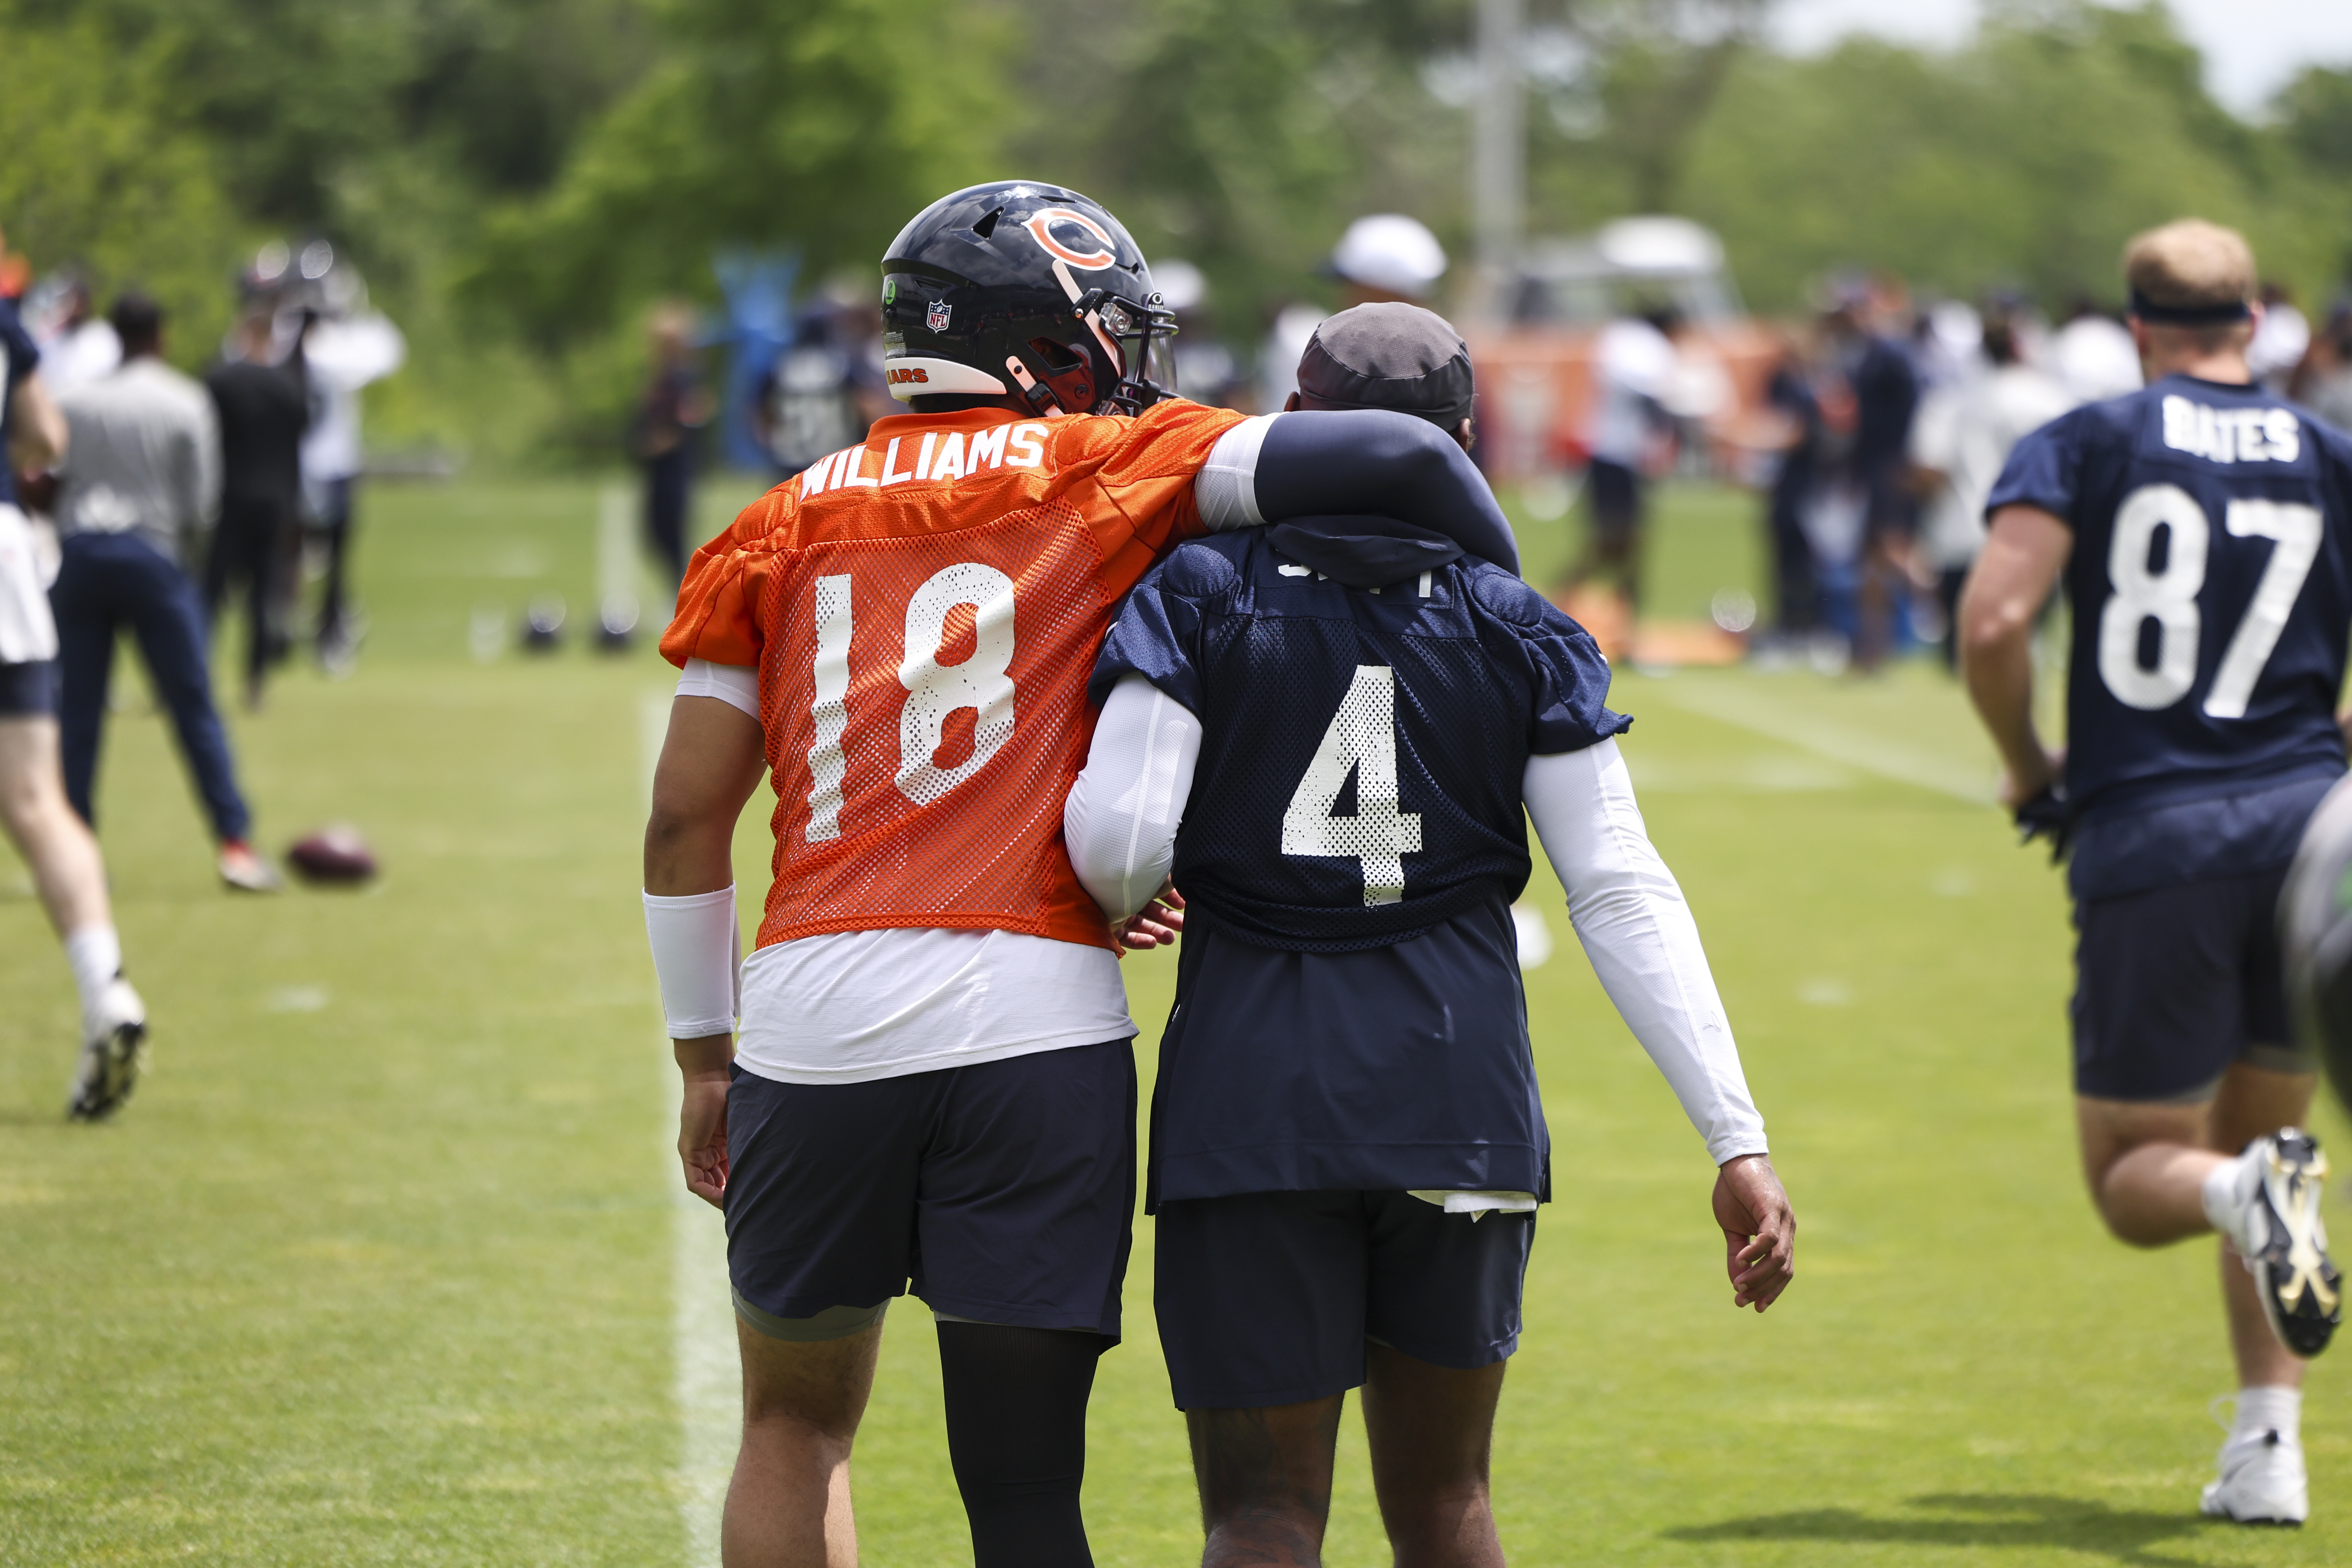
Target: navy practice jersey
19,359
2211,588
1361,753
1348,1011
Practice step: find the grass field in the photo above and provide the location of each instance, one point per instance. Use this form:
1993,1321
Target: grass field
379,1265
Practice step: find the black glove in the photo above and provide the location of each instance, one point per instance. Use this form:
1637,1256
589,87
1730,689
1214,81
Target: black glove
2045,816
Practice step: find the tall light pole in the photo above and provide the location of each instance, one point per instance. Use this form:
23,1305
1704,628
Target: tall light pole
1497,153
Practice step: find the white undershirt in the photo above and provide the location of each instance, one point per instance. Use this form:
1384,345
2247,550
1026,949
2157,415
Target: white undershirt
847,1006
1120,825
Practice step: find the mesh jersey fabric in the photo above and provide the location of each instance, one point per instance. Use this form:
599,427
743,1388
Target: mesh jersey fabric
922,610
2211,582
1363,751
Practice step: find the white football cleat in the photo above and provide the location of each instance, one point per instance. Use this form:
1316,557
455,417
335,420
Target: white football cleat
2271,1215
113,1051
2261,1482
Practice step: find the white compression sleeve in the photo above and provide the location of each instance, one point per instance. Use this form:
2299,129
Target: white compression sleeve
1121,818
1225,489
1638,932
734,685
696,940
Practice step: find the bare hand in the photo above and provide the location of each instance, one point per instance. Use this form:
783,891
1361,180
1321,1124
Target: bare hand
703,1117
1759,1231
1157,924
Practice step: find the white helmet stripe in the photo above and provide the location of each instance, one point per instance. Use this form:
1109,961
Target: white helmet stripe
922,375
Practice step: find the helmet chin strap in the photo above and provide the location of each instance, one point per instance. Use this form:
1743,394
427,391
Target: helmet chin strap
1092,316
1038,397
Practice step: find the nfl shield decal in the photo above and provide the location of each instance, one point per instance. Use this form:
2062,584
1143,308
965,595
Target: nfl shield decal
936,318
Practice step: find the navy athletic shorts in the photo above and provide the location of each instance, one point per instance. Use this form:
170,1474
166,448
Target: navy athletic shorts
1616,493
1005,1191
29,690
2174,983
1267,1298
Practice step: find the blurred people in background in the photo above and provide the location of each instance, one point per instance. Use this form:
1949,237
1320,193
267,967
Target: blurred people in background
1946,340
263,411
2323,382
825,391
1869,342
141,486
1961,438
346,347
1796,577
57,846
78,344
1206,370
1628,435
2281,339
1384,257
2092,355
672,407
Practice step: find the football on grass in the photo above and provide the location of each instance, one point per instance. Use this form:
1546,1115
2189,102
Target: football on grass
336,854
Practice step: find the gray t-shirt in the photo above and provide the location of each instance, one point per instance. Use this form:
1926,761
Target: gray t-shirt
143,457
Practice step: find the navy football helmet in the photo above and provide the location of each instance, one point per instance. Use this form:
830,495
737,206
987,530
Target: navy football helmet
1016,289
2316,937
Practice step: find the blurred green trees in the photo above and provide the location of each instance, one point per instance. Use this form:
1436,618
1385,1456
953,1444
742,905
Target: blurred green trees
2022,162
519,178
100,169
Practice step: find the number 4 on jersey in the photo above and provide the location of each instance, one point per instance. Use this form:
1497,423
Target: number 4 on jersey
1361,739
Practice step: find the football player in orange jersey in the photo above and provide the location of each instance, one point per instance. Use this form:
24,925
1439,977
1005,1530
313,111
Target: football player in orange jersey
934,1080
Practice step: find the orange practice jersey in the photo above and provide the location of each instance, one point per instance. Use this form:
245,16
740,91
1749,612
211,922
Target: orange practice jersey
924,611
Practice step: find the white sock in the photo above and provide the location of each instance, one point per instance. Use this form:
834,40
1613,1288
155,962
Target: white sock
96,955
2268,1409
2223,1205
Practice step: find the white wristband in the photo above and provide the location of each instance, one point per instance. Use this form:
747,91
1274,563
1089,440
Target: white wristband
696,945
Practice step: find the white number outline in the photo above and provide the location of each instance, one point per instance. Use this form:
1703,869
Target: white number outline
934,690
2169,597
2295,529
1361,739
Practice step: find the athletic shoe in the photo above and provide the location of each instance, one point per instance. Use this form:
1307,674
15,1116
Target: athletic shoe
111,1056
2272,1219
246,871
2261,1482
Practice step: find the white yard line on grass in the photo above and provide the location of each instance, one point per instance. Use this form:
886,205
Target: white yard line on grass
1751,707
707,1382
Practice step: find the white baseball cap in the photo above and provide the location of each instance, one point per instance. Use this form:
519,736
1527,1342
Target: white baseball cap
1390,251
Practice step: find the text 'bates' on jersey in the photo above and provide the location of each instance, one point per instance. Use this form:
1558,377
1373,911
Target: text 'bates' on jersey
2210,583
1362,751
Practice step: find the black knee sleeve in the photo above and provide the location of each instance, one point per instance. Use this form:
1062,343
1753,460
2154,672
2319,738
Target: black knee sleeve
1016,1417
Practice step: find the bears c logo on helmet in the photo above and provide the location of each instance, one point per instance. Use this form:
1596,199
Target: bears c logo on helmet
1102,251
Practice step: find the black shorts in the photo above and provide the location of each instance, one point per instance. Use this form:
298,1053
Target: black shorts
1616,492
1005,1191
29,691
2174,985
1267,1298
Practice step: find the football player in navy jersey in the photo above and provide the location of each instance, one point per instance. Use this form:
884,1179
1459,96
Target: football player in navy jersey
2202,529
1332,735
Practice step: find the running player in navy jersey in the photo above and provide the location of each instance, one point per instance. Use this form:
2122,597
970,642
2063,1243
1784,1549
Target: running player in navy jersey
1329,733
2202,529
